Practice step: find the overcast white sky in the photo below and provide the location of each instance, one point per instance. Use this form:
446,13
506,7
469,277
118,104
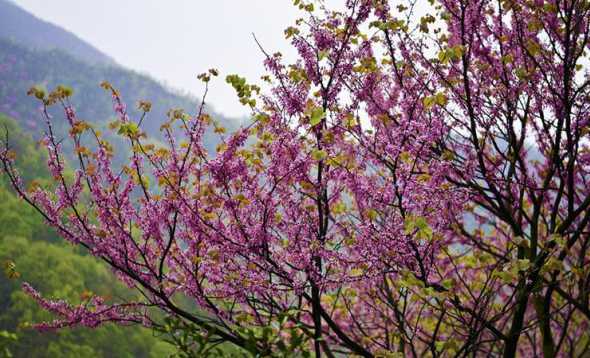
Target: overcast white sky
174,40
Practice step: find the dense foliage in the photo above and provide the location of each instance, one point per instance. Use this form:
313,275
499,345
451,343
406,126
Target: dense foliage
30,252
410,185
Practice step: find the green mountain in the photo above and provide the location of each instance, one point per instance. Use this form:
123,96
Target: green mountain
36,53
22,68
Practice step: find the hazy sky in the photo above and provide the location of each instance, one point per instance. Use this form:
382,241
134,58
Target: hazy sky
174,40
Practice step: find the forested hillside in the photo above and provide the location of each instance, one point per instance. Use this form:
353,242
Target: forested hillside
21,68
36,53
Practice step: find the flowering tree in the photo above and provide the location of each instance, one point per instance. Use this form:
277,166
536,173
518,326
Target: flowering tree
415,183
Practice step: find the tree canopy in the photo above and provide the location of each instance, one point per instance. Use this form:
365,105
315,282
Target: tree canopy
410,185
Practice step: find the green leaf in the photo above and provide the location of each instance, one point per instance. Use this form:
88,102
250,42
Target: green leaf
318,155
505,276
356,272
440,99
420,225
372,214
428,102
448,284
523,265
338,208
317,114
129,129
443,57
